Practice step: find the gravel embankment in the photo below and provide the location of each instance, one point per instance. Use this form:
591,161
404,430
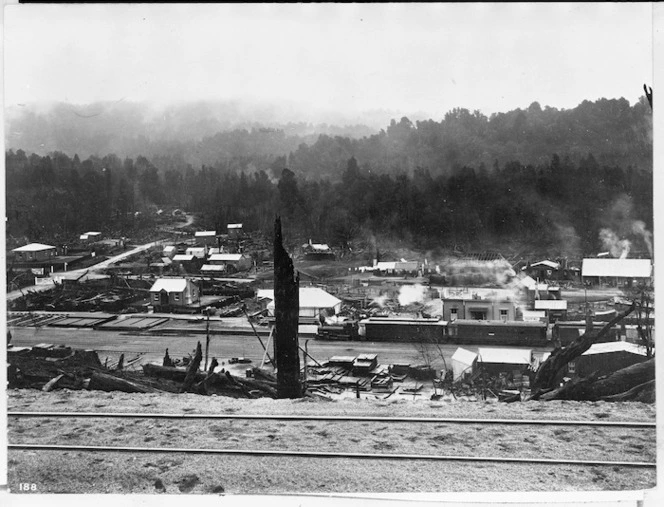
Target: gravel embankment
115,472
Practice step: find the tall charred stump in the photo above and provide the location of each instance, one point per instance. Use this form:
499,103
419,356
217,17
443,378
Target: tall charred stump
286,312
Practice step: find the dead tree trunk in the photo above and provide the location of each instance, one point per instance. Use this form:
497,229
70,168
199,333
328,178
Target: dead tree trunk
167,360
546,375
286,312
193,369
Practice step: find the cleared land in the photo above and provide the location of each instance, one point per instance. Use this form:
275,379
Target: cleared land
112,472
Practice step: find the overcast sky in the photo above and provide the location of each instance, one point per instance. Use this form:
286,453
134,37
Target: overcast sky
408,58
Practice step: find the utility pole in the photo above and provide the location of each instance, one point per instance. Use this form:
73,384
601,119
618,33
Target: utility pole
207,336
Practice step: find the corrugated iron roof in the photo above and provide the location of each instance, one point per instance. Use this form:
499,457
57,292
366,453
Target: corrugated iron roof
200,234
225,257
385,265
310,297
213,267
169,285
548,264
183,257
33,247
504,355
234,226
550,304
627,268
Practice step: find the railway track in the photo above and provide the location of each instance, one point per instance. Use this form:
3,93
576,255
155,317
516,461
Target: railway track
345,421
287,417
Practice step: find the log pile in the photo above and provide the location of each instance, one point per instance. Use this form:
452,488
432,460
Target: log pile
48,368
88,297
634,383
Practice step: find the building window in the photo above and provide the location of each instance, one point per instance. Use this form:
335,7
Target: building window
478,315
503,315
571,367
156,297
453,313
176,297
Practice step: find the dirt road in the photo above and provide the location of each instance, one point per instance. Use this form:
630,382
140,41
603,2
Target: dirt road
75,273
112,343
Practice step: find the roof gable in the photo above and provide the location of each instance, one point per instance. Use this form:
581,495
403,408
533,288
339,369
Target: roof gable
170,285
464,356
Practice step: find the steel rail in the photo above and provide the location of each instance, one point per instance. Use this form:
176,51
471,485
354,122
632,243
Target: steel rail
318,454
290,417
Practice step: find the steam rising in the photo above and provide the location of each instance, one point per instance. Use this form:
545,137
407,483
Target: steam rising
619,248
409,294
380,300
639,228
498,272
623,229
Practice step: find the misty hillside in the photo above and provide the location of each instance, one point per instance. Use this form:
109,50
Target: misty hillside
133,129
252,137
541,180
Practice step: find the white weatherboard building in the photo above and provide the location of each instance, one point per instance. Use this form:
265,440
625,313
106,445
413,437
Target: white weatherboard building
174,292
90,237
238,262
616,271
34,252
312,301
463,362
205,237
496,360
198,252
234,230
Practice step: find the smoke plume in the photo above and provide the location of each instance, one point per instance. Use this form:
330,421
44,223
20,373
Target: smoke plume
380,300
639,228
619,248
621,223
409,294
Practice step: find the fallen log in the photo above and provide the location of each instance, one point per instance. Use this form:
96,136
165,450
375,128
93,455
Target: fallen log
594,389
51,384
643,392
260,374
103,382
166,372
257,385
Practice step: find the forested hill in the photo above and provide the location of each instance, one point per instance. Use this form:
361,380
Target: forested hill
615,133
542,181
